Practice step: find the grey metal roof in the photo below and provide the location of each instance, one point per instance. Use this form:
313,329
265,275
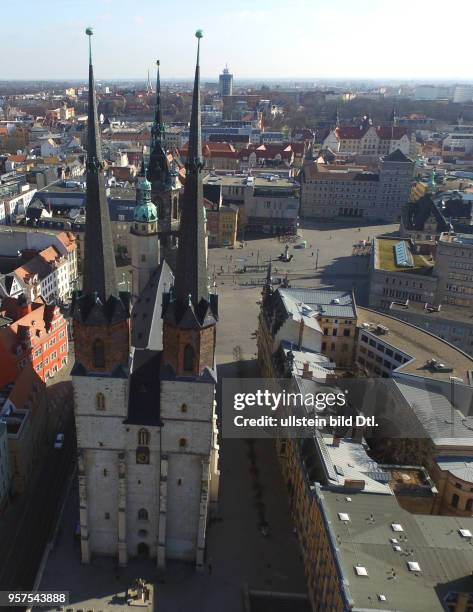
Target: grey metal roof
434,411
460,467
444,556
329,302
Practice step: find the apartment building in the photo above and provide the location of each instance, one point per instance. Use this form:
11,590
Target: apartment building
319,321
35,333
369,140
353,190
454,269
398,272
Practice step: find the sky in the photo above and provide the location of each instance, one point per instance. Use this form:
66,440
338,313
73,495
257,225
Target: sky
309,39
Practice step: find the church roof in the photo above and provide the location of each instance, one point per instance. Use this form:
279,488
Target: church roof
147,324
415,214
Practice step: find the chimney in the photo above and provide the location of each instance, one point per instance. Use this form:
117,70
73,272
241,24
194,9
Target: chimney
306,373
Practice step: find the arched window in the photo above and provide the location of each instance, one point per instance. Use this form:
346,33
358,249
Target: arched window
469,504
142,514
182,443
455,500
184,408
143,437
188,358
98,349
100,401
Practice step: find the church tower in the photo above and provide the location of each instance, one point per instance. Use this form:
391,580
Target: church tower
189,373
165,184
144,236
100,373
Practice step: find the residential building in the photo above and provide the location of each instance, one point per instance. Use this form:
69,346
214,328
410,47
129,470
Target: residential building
369,141
45,275
24,409
217,155
5,471
353,190
36,335
398,272
267,202
309,320
454,269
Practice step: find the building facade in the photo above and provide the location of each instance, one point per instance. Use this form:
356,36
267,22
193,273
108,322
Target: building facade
353,190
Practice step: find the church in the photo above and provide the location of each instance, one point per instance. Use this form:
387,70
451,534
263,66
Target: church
144,377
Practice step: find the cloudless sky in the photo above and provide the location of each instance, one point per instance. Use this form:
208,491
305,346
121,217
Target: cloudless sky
419,39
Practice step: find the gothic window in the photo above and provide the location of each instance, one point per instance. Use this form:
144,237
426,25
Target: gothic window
143,437
143,257
188,358
98,349
100,401
142,514
455,500
182,443
184,408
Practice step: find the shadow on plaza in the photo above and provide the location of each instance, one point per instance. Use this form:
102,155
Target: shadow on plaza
326,225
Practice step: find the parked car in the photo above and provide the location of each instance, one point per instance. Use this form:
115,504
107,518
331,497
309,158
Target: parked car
59,442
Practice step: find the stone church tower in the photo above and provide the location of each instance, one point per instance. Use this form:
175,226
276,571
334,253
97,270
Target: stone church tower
100,374
145,407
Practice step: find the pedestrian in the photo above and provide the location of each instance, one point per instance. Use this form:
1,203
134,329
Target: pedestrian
312,253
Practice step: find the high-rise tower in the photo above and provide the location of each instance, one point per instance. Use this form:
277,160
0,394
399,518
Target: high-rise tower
225,83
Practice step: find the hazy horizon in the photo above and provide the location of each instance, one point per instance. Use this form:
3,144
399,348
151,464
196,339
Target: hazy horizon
363,40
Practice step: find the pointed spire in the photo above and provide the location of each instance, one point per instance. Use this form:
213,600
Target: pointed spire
336,118
158,163
99,271
158,126
191,272
195,139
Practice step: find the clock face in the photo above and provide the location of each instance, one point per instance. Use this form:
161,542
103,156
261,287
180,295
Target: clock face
142,455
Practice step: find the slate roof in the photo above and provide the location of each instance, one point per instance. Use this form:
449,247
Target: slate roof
147,324
415,214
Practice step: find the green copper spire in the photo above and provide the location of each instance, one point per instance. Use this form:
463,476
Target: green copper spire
432,184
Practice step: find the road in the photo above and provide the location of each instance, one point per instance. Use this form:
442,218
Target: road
23,547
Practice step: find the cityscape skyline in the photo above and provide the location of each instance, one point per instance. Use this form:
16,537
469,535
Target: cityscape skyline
349,35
